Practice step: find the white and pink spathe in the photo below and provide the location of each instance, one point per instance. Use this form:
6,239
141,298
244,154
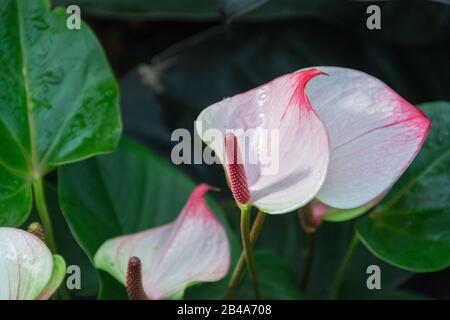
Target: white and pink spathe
194,248
345,138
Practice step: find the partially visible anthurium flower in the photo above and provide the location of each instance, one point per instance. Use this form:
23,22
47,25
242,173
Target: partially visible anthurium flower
160,263
343,136
28,270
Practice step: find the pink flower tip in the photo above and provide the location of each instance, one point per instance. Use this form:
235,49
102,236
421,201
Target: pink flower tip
302,80
201,190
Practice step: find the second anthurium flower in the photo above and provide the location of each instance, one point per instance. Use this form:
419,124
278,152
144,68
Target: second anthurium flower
160,263
336,134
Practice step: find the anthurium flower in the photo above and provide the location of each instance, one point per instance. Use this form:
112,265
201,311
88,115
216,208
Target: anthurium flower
344,138
28,271
160,263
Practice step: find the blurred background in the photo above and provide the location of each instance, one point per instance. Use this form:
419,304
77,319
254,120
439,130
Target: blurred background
173,58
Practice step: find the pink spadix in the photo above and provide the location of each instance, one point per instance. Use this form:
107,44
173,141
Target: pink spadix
236,172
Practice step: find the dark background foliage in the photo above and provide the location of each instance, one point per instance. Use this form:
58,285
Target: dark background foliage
174,58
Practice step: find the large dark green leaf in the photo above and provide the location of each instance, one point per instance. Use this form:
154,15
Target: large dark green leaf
411,228
153,9
128,191
353,291
276,276
236,8
143,118
406,22
58,100
332,242
217,64
282,234
418,21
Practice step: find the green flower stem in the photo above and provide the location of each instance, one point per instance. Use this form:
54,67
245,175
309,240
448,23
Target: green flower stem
245,234
305,218
41,206
345,263
311,240
240,266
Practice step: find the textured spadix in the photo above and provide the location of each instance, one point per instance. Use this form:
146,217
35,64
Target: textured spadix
193,248
236,171
27,268
345,138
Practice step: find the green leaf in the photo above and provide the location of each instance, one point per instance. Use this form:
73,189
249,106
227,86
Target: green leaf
14,204
418,22
151,9
359,291
195,76
235,8
110,288
142,116
56,105
67,246
128,191
411,228
283,235
276,276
